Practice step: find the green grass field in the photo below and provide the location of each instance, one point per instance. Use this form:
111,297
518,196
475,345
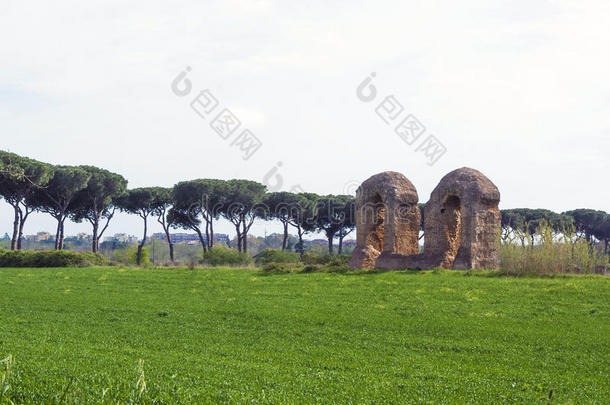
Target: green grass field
239,336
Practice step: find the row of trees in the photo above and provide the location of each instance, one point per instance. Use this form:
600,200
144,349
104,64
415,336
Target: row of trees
196,204
87,193
83,193
522,223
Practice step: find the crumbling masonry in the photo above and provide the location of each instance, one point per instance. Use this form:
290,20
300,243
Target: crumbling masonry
461,223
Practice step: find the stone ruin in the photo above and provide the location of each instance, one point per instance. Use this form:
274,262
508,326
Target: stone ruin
461,222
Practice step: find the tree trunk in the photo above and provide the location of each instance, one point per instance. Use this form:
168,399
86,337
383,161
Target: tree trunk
94,247
20,236
99,236
170,244
330,243
237,228
211,241
57,233
15,228
61,234
161,219
341,236
285,235
207,231
244,236
201,239
141,245
301,247
22,219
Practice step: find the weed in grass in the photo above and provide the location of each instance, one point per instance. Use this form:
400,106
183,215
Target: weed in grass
141,383
66,390
4,379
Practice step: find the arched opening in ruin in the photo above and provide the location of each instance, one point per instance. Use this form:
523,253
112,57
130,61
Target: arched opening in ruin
377,211
451,218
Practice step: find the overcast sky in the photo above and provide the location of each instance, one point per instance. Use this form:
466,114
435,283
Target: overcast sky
519,90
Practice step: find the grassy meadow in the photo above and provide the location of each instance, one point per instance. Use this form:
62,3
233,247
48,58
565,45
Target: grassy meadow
219,335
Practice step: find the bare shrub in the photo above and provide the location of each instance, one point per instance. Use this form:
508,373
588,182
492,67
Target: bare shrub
549,252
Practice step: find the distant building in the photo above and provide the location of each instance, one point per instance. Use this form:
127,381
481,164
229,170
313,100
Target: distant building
222,237
78,238
184,237
39,237
5,237
177,237
190,237
316,242
118,237
123,238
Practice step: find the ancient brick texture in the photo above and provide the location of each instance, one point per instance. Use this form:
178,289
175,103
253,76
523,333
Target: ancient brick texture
462,221
461,225
387,219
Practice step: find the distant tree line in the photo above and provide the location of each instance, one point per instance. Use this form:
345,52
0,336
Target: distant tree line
88,193
91,194
524,223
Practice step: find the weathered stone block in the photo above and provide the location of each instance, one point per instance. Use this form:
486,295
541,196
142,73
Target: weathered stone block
387,218
461,223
